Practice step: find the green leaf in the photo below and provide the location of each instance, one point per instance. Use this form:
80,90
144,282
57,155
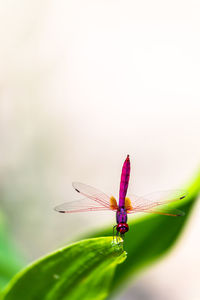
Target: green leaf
10,260
83,270
151,236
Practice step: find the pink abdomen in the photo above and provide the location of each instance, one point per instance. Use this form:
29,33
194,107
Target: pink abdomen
124,181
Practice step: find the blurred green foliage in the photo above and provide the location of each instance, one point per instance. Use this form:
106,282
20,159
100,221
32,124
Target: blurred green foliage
10,260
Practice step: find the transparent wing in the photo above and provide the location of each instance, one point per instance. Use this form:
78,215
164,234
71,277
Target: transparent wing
149,202
82,205
92,193
95,201
161,211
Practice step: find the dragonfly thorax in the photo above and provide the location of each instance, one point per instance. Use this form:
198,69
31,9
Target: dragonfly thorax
121,216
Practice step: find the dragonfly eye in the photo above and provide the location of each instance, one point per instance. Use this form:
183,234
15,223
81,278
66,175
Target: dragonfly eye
122,227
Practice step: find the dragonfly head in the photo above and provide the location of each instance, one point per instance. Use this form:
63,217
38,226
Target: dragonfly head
122,227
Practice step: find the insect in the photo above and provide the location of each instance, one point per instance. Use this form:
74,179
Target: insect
98,201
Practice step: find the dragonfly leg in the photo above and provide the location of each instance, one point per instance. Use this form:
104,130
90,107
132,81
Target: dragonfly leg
117,238
117,235
122,236
114,232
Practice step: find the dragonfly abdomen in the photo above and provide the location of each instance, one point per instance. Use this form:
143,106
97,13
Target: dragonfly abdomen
124,182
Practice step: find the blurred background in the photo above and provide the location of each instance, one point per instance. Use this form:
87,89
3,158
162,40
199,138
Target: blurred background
83,84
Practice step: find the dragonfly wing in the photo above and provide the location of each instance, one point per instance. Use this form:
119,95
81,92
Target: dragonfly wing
167,211
155,199
82,205
164,197
151,203
92,193
161,211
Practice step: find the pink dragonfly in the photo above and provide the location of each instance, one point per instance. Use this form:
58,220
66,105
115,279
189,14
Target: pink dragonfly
98,201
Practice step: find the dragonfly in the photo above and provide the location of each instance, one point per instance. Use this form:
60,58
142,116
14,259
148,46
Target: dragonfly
95,200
